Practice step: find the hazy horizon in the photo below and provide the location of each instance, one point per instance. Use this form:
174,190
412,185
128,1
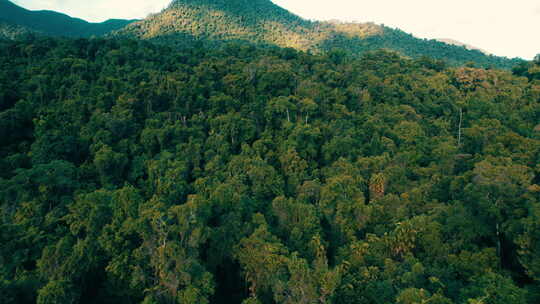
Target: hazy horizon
496,26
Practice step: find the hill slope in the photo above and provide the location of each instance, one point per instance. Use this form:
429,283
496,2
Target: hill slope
53,23
261,21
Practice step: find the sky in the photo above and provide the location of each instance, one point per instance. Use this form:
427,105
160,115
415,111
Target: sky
502,27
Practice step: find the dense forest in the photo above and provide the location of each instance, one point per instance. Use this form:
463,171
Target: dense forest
262,22
17,22
139,173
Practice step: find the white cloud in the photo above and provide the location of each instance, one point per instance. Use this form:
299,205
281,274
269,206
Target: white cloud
499,26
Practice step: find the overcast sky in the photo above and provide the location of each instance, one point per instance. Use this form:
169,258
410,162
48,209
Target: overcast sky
502,27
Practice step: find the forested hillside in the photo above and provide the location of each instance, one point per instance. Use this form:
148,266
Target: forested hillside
138,173
50,23
14,32
262,22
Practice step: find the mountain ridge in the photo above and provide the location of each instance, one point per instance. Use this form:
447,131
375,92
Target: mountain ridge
465,45
53,23
263,22
259,22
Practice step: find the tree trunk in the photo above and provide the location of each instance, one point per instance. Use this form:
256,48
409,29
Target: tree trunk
459,127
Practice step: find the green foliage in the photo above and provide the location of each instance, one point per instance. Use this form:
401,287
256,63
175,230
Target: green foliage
141,173
530,70
57,292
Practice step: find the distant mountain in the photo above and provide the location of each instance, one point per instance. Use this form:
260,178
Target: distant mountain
15,19
258,21
263,22
465,45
